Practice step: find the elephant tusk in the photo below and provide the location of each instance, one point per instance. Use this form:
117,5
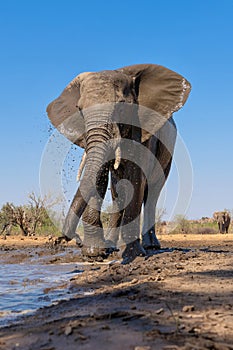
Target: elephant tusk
81,166
117,157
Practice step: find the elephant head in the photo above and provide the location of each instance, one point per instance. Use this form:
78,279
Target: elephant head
97,109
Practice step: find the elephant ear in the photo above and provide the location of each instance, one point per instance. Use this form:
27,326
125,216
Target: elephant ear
160,90
65,115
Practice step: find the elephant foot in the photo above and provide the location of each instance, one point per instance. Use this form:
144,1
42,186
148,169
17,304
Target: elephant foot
65,239
132,251
78,241
110,244
112,237
150,241
61,239
93,253
97,253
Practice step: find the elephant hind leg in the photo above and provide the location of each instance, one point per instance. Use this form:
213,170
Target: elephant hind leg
156,181
114,227
132,251
149,239
130,228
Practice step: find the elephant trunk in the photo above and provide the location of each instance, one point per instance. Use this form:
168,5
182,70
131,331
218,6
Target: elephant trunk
221,226
98,133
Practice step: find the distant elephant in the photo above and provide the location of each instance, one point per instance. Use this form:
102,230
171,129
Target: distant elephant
223,219
116,115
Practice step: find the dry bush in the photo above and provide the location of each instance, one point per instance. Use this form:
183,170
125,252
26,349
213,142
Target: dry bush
204,230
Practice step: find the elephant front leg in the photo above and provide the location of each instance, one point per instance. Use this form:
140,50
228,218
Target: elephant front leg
94,245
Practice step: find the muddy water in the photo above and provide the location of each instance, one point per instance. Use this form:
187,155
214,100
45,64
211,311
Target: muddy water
26,287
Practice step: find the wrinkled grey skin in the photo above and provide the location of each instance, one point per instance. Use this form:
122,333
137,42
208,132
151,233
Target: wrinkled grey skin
158,173
105,128
223,219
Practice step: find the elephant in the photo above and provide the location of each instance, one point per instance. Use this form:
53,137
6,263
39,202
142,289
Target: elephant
123,119
223,219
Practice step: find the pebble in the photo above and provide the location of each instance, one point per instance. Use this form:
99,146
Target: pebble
159,311
188,308
134,281
68,330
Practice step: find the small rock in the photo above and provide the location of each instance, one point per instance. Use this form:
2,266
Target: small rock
142,348
105,327
188,308
159,311
80,337
179,267
134,281
68,330
193,330
151,278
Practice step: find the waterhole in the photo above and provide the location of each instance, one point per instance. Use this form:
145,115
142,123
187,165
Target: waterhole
24,288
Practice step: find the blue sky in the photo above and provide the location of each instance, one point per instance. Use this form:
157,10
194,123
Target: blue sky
45,44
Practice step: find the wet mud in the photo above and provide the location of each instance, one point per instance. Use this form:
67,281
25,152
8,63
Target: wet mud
179,298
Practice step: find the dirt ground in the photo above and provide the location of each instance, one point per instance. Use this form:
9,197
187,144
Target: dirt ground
180,298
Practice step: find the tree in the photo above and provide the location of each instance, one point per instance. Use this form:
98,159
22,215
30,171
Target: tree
26,217
182,223
37,211
5,223
16,216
